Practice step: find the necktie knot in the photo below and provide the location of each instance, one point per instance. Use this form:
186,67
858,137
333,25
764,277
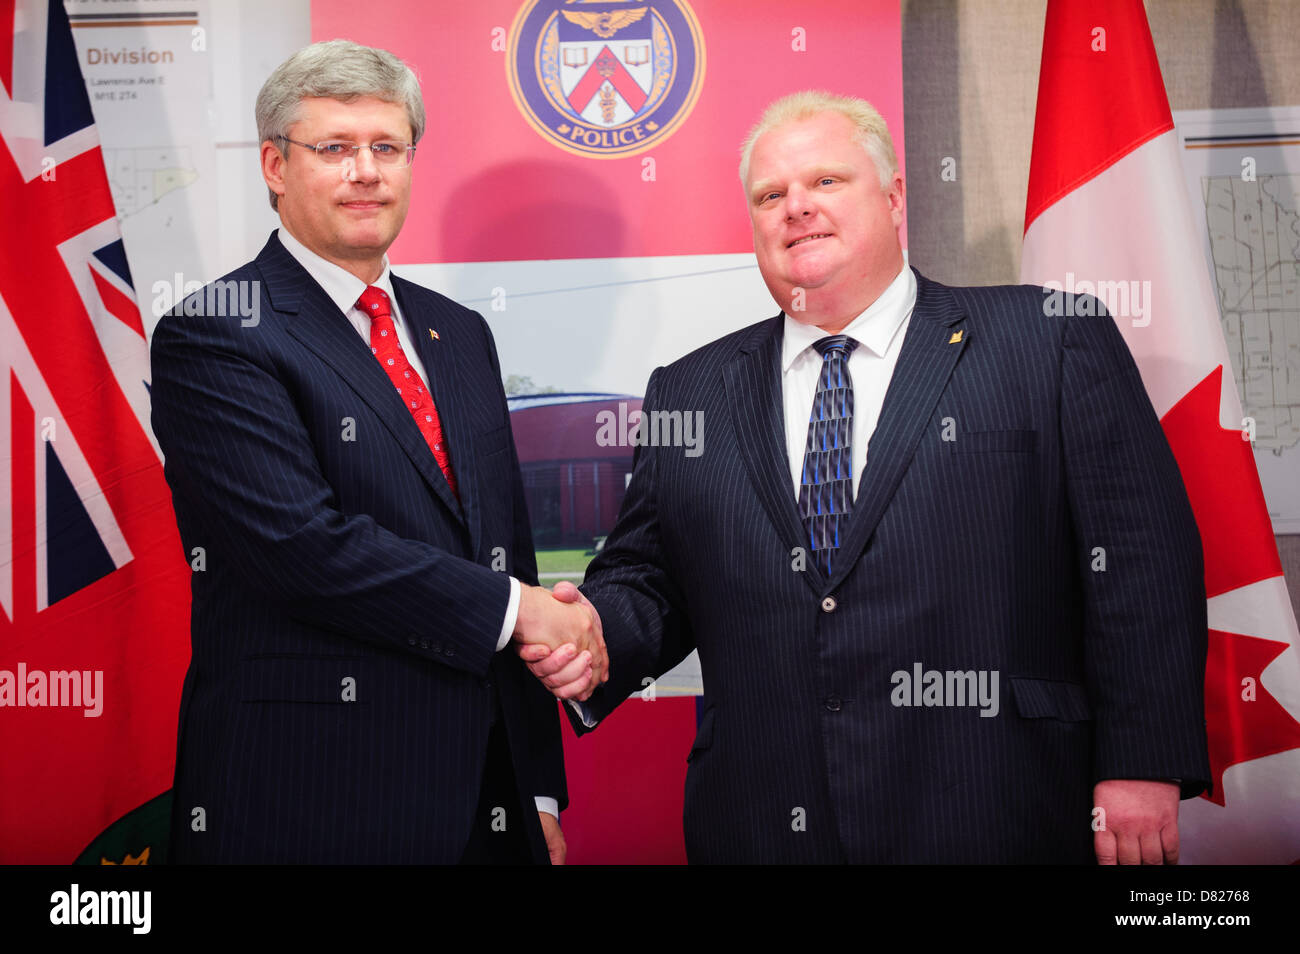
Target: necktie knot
832,343
374,302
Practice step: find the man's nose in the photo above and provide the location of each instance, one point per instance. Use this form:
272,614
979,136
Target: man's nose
798,202
367,168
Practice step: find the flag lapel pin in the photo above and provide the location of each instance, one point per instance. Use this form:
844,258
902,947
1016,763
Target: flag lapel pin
433,335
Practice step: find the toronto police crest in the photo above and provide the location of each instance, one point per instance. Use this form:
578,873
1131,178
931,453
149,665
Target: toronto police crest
605,78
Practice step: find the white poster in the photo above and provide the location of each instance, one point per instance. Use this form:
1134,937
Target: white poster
172,87
1242,168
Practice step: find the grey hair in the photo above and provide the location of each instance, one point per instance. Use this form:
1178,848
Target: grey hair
872,132
337,69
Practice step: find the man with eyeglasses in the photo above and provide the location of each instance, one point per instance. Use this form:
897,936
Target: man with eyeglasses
343,460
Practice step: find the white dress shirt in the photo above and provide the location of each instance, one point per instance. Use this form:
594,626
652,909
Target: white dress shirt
344,288
879,332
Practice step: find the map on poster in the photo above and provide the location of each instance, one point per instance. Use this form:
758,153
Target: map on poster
1242,168
141,178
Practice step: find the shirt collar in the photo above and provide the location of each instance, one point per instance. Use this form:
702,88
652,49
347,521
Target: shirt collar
874,328
342,287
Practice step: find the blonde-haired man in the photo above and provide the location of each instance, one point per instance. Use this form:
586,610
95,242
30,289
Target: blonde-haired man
884,556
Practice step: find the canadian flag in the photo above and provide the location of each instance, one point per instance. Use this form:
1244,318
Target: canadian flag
1107,214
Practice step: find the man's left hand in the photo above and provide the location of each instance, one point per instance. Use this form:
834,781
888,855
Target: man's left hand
1140,819
554,837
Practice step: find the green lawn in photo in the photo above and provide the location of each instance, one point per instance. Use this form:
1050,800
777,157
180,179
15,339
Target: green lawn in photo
556,565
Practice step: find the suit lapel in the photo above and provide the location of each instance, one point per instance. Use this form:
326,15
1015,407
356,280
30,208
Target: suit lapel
449,398
753,382
322,328
925,363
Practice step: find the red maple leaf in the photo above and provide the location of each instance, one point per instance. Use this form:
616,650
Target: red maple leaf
1241,729
1219,472
1218,469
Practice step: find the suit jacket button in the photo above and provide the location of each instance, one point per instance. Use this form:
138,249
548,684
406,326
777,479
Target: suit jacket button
834,703
424,644
410,641
829,604
448,650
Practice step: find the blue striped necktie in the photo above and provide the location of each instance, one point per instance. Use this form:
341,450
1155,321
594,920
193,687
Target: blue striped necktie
826,487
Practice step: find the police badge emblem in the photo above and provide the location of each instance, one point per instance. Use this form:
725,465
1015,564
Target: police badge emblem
605,78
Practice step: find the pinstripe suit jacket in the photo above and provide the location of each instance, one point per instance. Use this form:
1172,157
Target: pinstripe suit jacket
345,613
964,554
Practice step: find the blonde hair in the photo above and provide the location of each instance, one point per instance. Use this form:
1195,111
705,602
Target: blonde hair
872,132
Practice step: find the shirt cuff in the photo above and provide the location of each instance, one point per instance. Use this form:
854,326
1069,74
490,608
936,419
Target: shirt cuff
548,805
584,713
508,626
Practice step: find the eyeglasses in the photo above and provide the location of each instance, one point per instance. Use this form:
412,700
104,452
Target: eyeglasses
387,152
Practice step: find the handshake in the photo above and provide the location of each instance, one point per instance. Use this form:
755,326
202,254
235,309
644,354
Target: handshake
559,636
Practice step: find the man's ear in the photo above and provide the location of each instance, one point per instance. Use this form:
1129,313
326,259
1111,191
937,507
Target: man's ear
897,195
273,161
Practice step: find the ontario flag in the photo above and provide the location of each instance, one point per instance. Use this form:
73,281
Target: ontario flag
94,600
1107,213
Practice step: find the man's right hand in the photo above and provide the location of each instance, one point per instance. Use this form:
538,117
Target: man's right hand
565,632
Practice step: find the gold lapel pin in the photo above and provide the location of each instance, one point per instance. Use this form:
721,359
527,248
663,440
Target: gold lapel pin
433,335
956,337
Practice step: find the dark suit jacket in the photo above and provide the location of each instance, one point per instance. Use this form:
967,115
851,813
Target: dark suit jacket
969,554
334,555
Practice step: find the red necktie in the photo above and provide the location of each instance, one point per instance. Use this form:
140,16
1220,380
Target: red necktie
385,347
